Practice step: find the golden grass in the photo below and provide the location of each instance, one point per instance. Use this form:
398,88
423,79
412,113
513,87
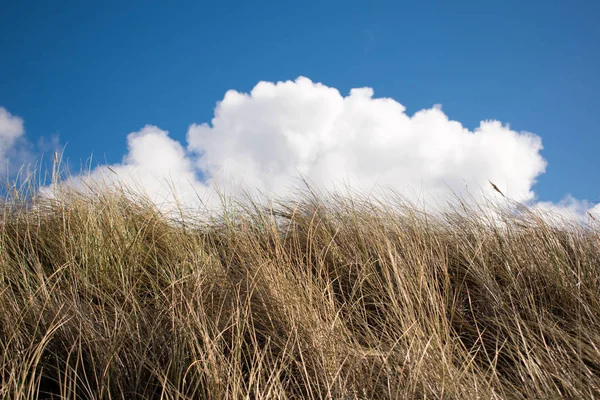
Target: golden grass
102,296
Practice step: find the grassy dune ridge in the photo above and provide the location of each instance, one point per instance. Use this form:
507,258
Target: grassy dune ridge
340,297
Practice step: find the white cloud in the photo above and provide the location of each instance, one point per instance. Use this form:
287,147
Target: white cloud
17,153
11,131
266,138
595,213
569,209
155,165
11,127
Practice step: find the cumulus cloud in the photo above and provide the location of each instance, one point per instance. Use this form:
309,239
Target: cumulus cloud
154,165
17,153
268,138
11,132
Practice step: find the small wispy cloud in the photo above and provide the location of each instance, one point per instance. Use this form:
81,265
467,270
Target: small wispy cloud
570,208
370,40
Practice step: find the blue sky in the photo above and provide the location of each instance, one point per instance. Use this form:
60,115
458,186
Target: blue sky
93,72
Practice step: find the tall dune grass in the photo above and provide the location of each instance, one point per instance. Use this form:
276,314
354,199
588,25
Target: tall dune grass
322,297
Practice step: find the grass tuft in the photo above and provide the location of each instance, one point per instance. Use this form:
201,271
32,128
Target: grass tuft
320,297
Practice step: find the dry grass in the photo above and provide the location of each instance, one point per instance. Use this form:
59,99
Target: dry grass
101,296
